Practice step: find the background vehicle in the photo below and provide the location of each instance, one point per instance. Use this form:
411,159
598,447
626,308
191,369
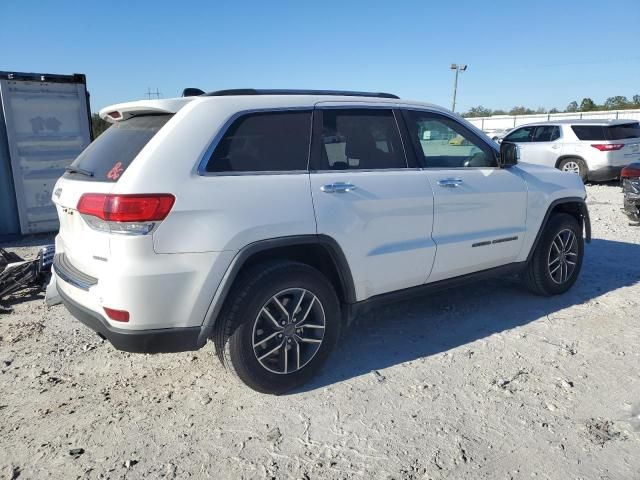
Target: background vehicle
630,177
266,220
594,149
498,134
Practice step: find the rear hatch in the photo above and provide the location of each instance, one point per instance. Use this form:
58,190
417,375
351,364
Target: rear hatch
96,171
619,141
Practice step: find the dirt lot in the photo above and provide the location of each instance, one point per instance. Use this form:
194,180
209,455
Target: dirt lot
484,382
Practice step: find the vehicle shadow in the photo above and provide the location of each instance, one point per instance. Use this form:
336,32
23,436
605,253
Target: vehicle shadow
436,323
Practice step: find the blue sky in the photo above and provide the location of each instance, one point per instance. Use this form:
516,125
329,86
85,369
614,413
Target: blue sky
542,53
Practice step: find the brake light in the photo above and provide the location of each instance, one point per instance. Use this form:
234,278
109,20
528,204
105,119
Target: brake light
115,115
126,208
125,214
631,171
607,147
117,315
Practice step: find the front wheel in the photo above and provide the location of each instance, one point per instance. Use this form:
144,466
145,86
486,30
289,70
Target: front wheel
281,321
557,259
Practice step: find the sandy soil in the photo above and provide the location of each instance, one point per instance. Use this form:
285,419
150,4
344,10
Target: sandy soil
485,382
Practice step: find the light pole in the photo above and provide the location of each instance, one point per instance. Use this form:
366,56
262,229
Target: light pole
458,69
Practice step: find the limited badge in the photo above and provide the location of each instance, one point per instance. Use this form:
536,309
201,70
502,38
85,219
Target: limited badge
115,172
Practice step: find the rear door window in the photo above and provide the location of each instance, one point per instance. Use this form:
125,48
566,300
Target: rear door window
264,142
360,139
107,158
546,133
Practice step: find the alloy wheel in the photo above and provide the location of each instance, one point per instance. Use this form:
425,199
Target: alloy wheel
288,331
572,167
563,256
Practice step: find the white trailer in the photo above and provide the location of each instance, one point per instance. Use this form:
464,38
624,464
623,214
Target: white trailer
44,124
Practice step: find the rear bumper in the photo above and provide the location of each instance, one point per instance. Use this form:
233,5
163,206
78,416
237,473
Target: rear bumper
605,173
163,340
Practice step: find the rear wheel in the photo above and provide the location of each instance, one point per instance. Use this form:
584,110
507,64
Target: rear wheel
574,165
557,259
279,325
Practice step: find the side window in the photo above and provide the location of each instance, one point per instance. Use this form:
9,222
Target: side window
264,142
520,135
446,143
589,132
360,139
546,133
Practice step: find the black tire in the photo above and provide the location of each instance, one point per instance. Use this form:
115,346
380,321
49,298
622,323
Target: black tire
538,276
583,170
243,312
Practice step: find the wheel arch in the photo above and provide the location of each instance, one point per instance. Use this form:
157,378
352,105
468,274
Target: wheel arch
564,157
319,251
574,206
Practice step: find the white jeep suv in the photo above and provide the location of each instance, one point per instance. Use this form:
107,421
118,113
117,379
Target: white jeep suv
267,220
594,149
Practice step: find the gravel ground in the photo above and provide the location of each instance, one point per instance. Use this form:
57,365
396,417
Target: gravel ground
486,382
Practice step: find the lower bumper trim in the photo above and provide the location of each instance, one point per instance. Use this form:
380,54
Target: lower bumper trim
165,340
605,174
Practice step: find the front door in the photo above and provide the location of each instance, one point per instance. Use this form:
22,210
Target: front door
369,199
479,208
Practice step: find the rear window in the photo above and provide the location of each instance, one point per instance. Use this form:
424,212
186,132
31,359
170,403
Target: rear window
621,132
112,152
613,132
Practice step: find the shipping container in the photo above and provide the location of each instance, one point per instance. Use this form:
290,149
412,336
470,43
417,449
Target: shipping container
45,122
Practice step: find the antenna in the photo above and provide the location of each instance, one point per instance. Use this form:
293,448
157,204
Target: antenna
150,94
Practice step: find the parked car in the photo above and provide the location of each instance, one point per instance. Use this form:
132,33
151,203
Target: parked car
630,177
594,149
237,216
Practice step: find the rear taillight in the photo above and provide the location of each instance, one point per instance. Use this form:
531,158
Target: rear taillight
607,147
128,214
632,171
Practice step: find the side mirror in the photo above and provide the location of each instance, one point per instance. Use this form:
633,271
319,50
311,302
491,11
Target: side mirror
509,155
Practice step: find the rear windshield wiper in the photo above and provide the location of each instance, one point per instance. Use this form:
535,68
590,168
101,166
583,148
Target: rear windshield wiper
81,171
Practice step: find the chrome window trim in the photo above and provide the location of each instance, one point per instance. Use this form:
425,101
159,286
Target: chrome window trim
201,169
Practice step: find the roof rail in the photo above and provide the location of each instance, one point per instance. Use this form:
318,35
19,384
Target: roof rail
338,93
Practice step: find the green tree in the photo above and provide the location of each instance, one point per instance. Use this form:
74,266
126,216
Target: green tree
98,125
521,111
588,105
478,111
618,102
554,110
499,112
636,101
572,107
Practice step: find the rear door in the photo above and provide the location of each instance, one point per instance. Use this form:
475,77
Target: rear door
369,199
479,208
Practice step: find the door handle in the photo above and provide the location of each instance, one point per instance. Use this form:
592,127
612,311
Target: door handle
555,147
338,187
450,182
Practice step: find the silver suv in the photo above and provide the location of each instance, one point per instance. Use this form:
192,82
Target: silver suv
594,149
